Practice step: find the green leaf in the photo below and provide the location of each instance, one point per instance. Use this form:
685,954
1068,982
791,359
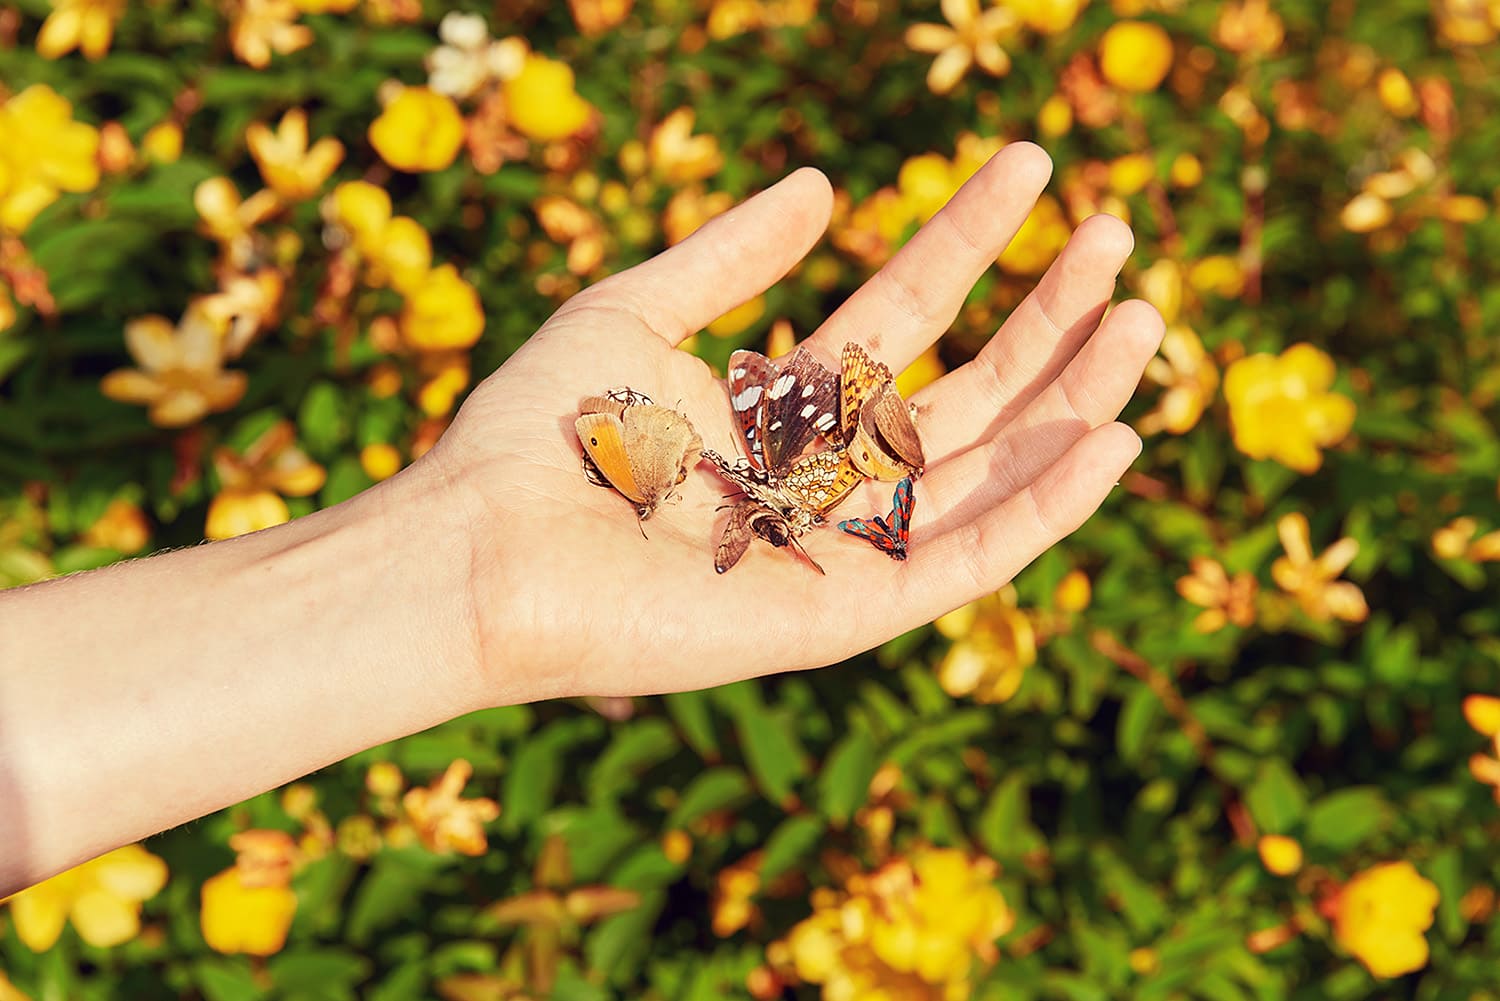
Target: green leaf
694,717
715,789
322,972
616,947
323,418
637,746
531,780
790,843
385,895
844,780
1138,717
1347,818
226,980
773,752
1276,798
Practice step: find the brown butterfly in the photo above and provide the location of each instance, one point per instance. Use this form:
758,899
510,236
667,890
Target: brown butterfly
878,427
635,446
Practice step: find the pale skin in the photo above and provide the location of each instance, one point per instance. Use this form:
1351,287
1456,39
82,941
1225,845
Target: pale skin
491,572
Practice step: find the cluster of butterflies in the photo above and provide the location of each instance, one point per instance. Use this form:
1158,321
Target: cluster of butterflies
644,451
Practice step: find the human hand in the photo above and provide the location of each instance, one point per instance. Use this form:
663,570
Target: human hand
566,596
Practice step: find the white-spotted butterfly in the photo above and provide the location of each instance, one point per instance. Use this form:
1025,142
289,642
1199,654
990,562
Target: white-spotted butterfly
889,536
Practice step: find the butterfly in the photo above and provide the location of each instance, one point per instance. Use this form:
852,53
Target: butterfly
888,536
635,446
876,425
779,411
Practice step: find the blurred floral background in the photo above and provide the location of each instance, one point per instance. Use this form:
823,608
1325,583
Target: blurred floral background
1237,739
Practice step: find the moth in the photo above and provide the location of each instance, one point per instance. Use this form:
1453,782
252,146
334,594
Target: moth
638,448
749,519
779,411
890,535
876,426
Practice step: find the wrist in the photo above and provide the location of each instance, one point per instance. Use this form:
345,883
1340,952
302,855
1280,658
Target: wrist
419,525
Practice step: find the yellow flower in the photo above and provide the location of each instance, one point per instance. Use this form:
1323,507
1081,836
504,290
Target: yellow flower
677,846
245,305
1047,17
993,644
380,460
1250,27
926,182
542,102
1055,117
1365,213
163,142
122,527
1223,599
912,929
734,895
1189,377
1483,714
326,6
1314,581
241,917
924,370
1396,93
230,221
1038,241
420,130
43,152
262,27
447,375
252,485
567,222
691,208
1382,915
102,898
1074,592
86,25
1135,56
678,156
970,37
399,250
1281,855
289,167
739,319
1467,22
1280,407
181,375
594,17
445,822
441,312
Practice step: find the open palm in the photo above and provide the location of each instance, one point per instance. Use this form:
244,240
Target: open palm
569,598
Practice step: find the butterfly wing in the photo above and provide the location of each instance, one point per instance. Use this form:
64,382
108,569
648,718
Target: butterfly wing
897,431
659,444
750,375
859,377
801,402
902,506
603,440
736,537
872,532
818,482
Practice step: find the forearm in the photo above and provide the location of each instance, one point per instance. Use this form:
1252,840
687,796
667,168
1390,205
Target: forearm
149,693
